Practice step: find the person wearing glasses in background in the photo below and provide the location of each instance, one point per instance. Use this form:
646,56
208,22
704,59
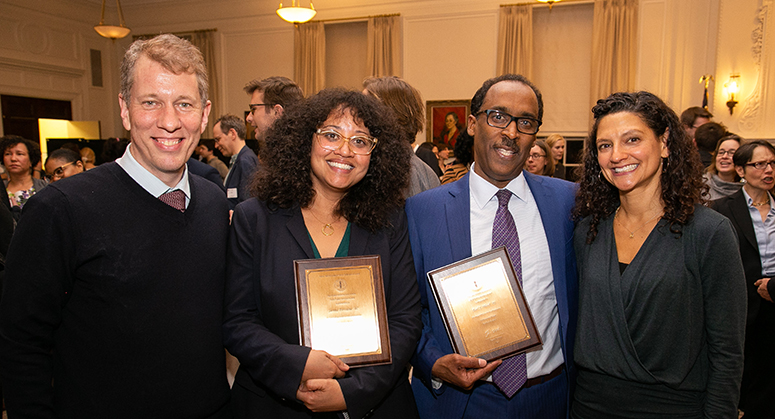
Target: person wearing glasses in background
62,163
332,185
540,161
454,221
752,212
269,98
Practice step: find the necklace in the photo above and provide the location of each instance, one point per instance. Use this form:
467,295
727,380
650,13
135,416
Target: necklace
759,204
632,233
327,229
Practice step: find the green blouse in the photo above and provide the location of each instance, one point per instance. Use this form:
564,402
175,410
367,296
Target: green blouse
344,245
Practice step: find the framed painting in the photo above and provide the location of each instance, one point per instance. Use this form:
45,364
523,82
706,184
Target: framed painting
445,120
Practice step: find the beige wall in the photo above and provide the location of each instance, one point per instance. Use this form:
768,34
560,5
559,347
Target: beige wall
449,49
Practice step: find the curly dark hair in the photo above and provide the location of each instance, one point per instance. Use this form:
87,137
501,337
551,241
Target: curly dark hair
33,151
464,148
284,178
681,178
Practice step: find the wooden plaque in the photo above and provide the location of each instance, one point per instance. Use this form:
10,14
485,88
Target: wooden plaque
483,307
342,310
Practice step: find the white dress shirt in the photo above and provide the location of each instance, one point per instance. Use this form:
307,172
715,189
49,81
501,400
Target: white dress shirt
537,276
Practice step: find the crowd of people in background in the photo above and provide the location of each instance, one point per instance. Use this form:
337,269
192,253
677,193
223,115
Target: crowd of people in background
128,274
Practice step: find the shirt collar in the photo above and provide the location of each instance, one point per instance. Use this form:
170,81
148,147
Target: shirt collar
147,180
483,191
749,200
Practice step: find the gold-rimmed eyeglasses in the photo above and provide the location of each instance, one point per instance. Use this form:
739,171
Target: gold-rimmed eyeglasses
59,171
359,144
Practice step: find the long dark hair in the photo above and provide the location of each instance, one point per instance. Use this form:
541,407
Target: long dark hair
681,178
284,178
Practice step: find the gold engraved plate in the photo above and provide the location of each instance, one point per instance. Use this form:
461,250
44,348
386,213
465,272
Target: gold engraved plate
342,311
484,308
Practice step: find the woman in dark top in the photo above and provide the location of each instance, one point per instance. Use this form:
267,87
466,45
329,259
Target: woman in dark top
330,185
661,293
20,156
752,213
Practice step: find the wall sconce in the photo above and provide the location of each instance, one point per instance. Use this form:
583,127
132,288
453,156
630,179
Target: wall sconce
733,88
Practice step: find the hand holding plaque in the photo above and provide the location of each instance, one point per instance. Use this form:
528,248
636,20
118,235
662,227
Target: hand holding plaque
483,306
341,308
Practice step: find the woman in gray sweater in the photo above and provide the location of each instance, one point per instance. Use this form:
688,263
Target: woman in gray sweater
661,293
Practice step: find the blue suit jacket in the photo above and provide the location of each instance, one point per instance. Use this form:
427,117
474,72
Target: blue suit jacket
440,234
240,176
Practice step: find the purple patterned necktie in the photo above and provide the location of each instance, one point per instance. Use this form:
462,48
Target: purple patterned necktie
176,199
511,375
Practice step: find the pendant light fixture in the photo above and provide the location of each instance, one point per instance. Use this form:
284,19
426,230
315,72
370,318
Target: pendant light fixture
295,13
110,31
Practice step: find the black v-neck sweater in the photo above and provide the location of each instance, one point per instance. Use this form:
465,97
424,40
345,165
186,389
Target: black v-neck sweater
118,298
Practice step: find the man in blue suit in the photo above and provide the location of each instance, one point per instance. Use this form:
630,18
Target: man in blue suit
455,221
229,133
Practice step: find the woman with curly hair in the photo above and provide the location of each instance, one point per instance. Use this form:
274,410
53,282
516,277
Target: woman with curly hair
20,157
661,292
330,185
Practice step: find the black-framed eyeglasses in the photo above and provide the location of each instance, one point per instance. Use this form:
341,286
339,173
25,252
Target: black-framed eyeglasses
58,172
359,144
253,106
500,119
536,156
761,165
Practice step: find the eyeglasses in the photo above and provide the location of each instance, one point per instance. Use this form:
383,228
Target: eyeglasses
359,144
729,153
761,165
498,119
59,171
253,106
536,156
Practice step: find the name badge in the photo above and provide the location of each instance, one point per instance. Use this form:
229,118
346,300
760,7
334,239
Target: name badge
231,193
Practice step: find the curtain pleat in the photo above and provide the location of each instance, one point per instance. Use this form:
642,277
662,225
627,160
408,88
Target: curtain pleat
383,53
309,57
515,40
613,47
204,41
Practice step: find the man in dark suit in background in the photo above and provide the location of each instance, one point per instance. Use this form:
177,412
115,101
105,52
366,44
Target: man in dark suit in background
229,133
113,302
454,221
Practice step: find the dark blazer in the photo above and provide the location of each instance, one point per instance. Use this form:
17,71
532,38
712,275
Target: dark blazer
206,171
758,385
240,175
735,208
260,320
440,233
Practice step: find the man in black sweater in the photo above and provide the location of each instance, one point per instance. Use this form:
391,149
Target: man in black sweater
113,303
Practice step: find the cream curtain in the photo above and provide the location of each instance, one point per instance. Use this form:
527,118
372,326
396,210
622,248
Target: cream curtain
613,47
204,41
515,40
309,57
384,46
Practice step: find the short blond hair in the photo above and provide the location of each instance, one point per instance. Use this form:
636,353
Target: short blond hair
174,54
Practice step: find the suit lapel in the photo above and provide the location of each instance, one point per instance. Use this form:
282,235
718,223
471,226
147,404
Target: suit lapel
298,230
738,207
458,210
